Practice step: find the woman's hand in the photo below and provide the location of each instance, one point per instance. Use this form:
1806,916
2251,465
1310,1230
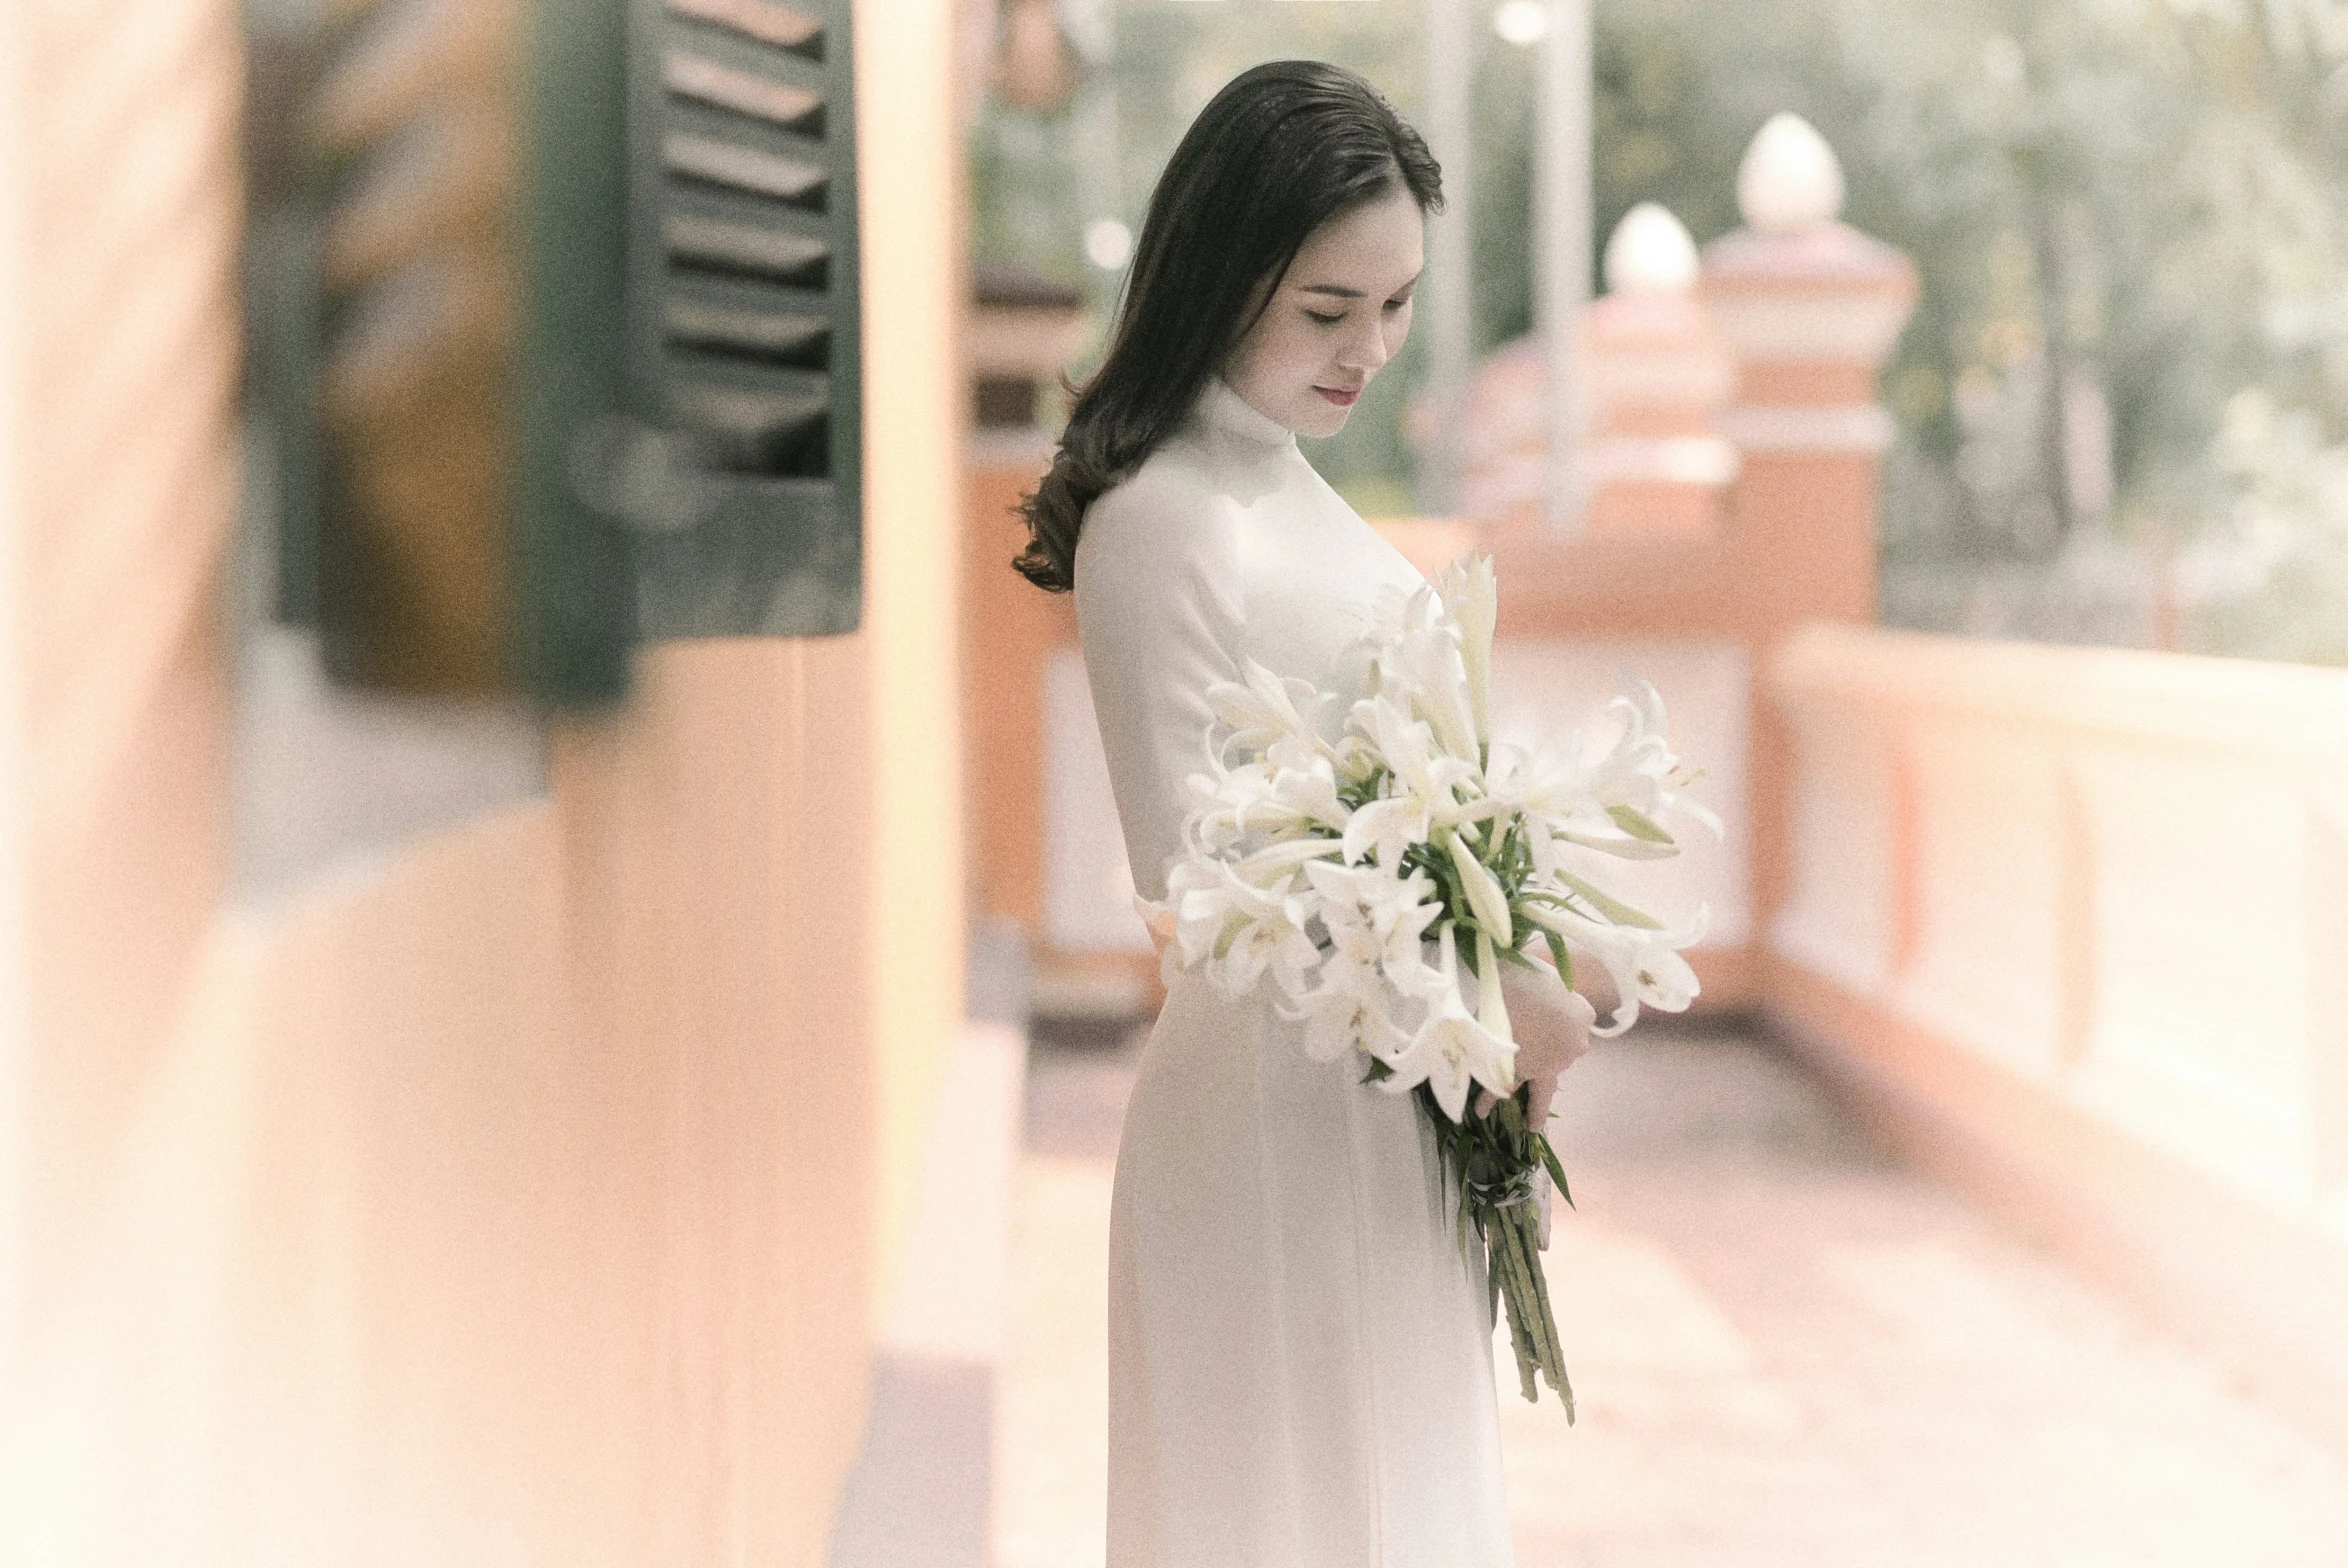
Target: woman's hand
1159,919
1552,1029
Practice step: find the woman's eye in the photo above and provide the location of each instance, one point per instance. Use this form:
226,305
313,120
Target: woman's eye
1396,304
1326,321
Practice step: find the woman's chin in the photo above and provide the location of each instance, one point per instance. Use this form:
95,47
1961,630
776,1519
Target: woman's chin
1320,423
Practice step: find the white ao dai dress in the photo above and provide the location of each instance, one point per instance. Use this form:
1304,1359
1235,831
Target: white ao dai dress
1300,1364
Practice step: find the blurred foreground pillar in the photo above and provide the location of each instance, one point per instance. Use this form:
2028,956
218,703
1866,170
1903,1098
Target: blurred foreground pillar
119,234
530,1191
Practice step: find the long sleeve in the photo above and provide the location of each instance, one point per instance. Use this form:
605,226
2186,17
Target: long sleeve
1159,613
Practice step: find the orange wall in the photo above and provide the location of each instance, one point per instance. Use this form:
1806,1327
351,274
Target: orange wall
1010,629
527,1197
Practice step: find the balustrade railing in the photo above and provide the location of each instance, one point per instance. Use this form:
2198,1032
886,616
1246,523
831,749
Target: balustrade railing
2086,911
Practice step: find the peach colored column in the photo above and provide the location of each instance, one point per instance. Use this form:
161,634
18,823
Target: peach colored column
1011,627
1811,308
1020,336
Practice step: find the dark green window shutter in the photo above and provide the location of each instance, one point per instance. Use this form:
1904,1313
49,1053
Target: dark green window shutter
586,341
468,179
743,269
575,617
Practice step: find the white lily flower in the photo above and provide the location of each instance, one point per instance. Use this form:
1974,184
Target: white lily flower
1634,782
1297,754
1377,919
1197,891
1452,1051
1386,827
1221,803
1508,772
1405,963
1472,594
1237,927
1645,965
1395,613
1353,936
1407,747
1251,798
1264,930
1559,795
1262,707
1308,787
1271,865
1354,758
1346,1012
1427,664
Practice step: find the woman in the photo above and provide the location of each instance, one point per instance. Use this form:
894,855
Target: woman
1300,1358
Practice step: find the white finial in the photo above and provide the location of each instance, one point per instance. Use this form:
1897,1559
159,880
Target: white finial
1650,253
1790,179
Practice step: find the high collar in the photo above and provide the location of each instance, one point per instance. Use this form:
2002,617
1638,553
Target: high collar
1223,412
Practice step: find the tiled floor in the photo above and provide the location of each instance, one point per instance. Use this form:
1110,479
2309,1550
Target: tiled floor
1787,1349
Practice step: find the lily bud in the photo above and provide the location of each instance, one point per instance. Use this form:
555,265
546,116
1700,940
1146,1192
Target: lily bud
1491,1009
1485,899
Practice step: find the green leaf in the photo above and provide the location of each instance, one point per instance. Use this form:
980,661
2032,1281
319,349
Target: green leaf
1556,1171
1559,956
1378,1071
1639,825
1607,904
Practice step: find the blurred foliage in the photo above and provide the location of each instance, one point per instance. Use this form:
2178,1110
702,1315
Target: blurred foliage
2130,216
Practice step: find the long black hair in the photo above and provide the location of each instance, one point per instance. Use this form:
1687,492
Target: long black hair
1281,150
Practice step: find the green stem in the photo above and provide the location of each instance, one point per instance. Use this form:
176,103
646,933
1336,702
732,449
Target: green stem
1505,1256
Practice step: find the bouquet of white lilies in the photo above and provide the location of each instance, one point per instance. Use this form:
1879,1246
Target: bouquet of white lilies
1359,865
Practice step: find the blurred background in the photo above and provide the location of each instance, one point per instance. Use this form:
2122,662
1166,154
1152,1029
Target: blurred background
567,975
2120,404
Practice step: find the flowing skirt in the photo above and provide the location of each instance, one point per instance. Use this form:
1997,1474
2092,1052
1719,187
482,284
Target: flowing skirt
1300,1362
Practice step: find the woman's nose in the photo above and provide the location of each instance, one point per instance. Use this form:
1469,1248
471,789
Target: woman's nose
1366,350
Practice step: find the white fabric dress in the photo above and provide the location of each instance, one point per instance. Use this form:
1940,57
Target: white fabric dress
1300,1368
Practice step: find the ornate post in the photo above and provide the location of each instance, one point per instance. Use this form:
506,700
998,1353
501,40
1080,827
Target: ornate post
1811,307
1658,375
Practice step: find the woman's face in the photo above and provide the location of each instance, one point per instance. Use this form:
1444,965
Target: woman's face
1341,311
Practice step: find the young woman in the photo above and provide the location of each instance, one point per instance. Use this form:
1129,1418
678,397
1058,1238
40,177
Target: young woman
1300,1363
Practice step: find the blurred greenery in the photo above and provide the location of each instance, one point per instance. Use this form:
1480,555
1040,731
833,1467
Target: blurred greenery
2130,217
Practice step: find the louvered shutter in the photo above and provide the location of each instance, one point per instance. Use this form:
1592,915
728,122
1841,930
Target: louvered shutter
586,351
744,281
469,164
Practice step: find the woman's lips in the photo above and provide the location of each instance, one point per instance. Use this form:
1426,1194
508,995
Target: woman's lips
1341,396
